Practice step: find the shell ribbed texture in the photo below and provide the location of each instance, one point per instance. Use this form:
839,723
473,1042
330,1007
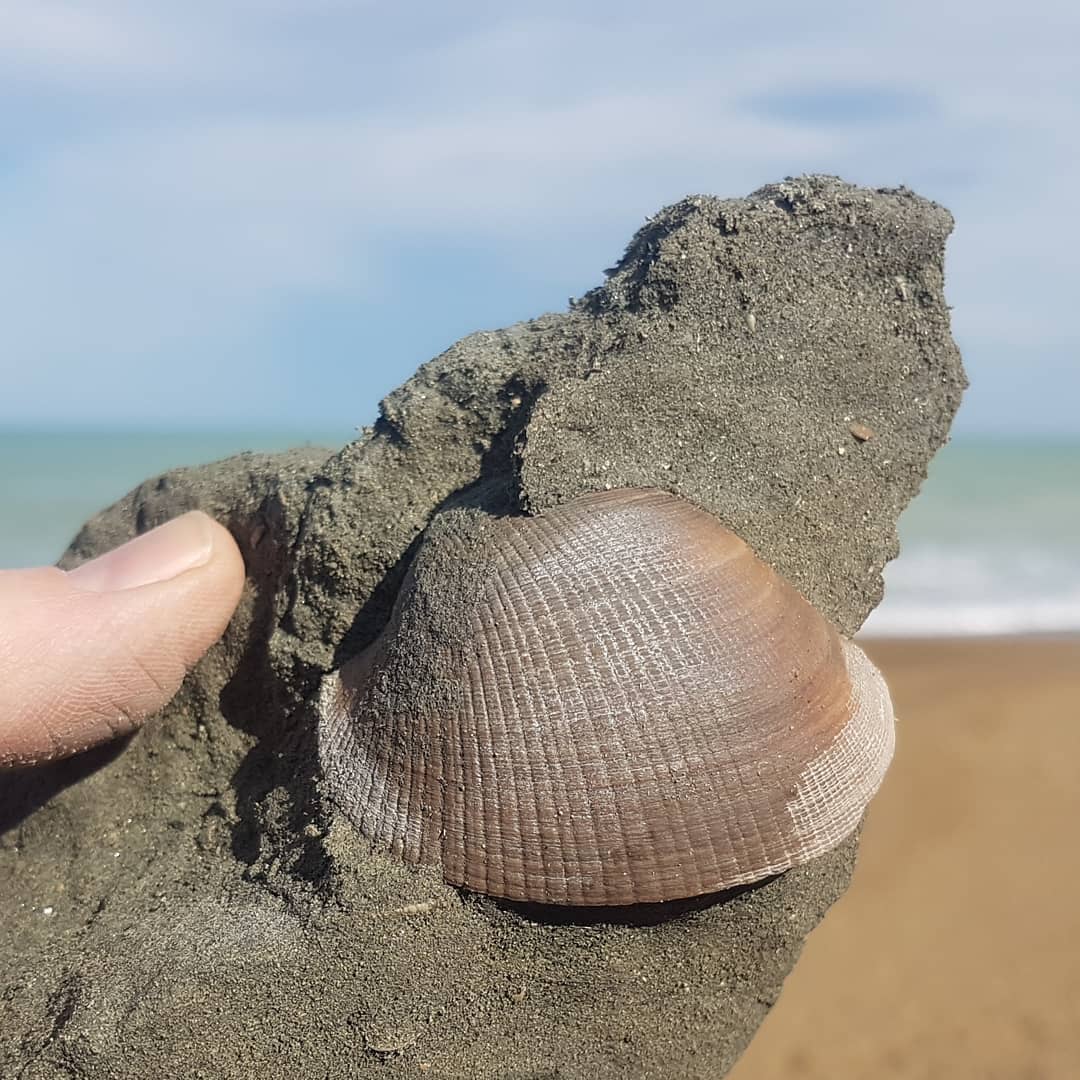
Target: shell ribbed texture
646,711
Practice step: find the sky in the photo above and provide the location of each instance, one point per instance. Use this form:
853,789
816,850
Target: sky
269,212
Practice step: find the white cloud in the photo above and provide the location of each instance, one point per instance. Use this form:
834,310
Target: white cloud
48,41
187,175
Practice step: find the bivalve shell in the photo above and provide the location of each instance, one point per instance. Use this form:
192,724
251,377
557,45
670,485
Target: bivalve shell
612,702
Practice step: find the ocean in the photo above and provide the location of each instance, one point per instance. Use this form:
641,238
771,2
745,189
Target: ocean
990,546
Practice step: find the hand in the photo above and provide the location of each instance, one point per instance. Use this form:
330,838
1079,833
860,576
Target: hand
87,655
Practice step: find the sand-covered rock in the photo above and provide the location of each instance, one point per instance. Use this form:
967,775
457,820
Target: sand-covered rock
189,904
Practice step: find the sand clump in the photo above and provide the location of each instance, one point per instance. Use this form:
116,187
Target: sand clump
208,911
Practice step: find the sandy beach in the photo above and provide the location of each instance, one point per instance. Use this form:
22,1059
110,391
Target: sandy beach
955,951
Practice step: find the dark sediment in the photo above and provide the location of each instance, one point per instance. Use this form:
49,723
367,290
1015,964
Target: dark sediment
209,915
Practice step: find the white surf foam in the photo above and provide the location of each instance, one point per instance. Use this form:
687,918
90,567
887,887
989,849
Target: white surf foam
936,591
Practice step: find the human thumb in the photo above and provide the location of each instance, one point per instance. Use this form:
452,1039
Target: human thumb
87,655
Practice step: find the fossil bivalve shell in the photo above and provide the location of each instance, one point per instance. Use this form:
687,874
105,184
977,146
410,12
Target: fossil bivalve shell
613,702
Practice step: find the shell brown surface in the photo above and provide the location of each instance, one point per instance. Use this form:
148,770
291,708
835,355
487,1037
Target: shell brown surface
623,704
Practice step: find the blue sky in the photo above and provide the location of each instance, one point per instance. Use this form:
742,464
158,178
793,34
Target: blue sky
268,212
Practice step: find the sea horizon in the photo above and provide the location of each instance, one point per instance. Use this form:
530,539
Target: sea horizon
989,547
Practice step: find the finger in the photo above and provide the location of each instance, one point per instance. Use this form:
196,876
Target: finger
87,655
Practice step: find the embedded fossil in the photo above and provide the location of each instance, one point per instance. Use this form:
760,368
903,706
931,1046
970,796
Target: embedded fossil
612,702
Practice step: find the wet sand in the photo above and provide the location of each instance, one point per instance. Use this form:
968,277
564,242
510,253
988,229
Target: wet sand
956,951
216,914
